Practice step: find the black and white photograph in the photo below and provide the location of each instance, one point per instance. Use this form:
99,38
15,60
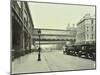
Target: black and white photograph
52,37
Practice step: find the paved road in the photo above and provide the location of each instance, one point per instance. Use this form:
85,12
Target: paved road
50,61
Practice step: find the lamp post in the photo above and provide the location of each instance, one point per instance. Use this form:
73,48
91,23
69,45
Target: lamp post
39,49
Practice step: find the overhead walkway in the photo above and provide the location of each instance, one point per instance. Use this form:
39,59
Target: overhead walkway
53,36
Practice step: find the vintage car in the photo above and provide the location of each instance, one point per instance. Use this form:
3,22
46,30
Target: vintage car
85,50
69,50
88,50
76,49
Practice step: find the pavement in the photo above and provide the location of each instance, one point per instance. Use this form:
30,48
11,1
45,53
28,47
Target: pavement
50,61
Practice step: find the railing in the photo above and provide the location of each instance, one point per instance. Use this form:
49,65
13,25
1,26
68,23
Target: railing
55,31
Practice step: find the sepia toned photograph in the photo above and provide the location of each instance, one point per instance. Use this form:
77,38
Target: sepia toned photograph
52,37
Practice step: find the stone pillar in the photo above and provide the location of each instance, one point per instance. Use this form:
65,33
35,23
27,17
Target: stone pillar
23,31
23,41
27,42
30,44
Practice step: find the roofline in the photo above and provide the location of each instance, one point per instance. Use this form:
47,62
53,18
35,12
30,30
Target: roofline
51,29
84,20
29,12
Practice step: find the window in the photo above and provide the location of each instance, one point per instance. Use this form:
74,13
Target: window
87,29
92,21
92,28
24,19
92,36
87,36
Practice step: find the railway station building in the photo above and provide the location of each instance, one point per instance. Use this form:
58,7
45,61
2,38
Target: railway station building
21,28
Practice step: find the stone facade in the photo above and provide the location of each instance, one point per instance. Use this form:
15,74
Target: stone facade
22,27
86,30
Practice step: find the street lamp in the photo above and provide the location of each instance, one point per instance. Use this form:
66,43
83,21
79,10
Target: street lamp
39,49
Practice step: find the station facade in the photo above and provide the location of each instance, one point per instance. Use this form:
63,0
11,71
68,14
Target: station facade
22,27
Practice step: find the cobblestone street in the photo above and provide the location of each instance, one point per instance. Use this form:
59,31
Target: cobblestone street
50,61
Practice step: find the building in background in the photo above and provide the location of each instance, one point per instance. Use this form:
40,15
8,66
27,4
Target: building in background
22,27
86,30
72,31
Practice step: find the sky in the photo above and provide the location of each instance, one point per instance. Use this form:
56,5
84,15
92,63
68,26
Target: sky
57,16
